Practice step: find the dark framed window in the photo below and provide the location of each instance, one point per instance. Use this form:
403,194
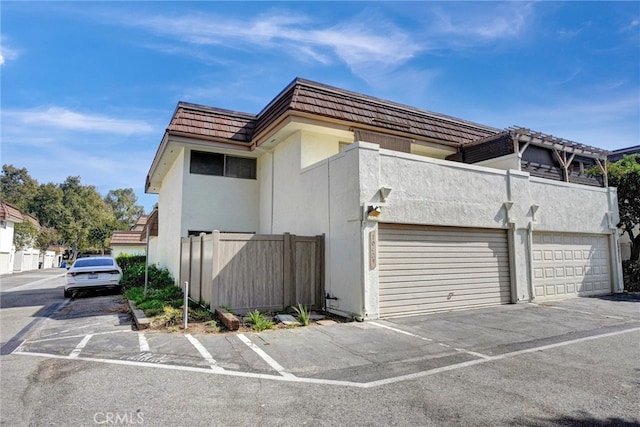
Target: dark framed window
207,163
203,163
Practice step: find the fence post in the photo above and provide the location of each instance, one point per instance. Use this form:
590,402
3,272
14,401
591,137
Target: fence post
288,274
319,270
215,270
186,304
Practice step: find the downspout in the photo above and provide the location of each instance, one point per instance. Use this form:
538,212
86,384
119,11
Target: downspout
534,209
530,259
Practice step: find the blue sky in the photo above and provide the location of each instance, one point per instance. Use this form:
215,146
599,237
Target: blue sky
88,88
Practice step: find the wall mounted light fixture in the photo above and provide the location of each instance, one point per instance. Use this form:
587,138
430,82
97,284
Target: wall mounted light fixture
374,211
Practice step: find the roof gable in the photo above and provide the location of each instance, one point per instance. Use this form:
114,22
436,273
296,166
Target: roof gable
10,213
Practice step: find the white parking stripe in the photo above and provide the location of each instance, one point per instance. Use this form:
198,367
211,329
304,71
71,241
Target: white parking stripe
460,350
76,351
578,311
400,331
275,365
74,336
204,353
144,344
494,358
292,378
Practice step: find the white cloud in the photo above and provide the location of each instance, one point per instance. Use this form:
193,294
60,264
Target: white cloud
480,25
62,118
361,41
7,53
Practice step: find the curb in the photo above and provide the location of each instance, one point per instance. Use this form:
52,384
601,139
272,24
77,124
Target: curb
138,316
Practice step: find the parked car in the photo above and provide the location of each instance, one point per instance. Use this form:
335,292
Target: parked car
92,273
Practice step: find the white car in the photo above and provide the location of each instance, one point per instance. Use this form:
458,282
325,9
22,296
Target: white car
92,273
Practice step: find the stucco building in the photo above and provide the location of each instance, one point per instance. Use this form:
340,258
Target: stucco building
420,211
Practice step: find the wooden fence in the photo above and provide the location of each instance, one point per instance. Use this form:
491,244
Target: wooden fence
253,271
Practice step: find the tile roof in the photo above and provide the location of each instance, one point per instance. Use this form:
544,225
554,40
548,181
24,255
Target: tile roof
152,225
323,101
357,109
10,213
213,123
140,223
125,238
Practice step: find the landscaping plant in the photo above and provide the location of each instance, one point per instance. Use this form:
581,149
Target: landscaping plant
258,321
302,314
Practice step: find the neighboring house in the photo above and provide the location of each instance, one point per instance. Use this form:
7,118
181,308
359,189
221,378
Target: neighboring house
625,242
421,212
27,258
130,242
9,215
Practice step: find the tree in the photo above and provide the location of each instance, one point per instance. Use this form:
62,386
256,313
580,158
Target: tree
48,206
17,187
98,236
123,202
625,174
25,234
47,237
86,210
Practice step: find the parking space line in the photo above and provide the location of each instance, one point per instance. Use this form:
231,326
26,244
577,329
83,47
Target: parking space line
292,378
460,350
73,336
275,365
144,344
76,351
422,374
400,331
578,311
204,353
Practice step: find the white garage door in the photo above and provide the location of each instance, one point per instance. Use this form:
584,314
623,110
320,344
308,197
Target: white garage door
566,265
426,269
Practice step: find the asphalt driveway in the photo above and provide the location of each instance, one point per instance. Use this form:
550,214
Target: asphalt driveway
366,354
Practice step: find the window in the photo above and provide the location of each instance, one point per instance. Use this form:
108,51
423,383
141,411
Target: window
207,163
203,163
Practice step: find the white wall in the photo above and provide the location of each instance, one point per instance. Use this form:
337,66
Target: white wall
6,248
48,259
26,259
296,199
511,161
170,203
570,207
436,192
219,203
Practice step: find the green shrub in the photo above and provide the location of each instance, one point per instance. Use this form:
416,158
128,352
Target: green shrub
258,321
303,314
125,261
170,316
631,274
133,275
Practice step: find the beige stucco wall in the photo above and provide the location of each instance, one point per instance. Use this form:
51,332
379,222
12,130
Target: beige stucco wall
219,203
436,192
170,208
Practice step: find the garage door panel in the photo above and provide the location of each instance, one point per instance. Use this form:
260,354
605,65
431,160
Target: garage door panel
570,265
424,269
448,283
446,291
432,306
433,276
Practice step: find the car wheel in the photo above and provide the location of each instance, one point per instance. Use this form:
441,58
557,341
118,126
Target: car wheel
67,294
